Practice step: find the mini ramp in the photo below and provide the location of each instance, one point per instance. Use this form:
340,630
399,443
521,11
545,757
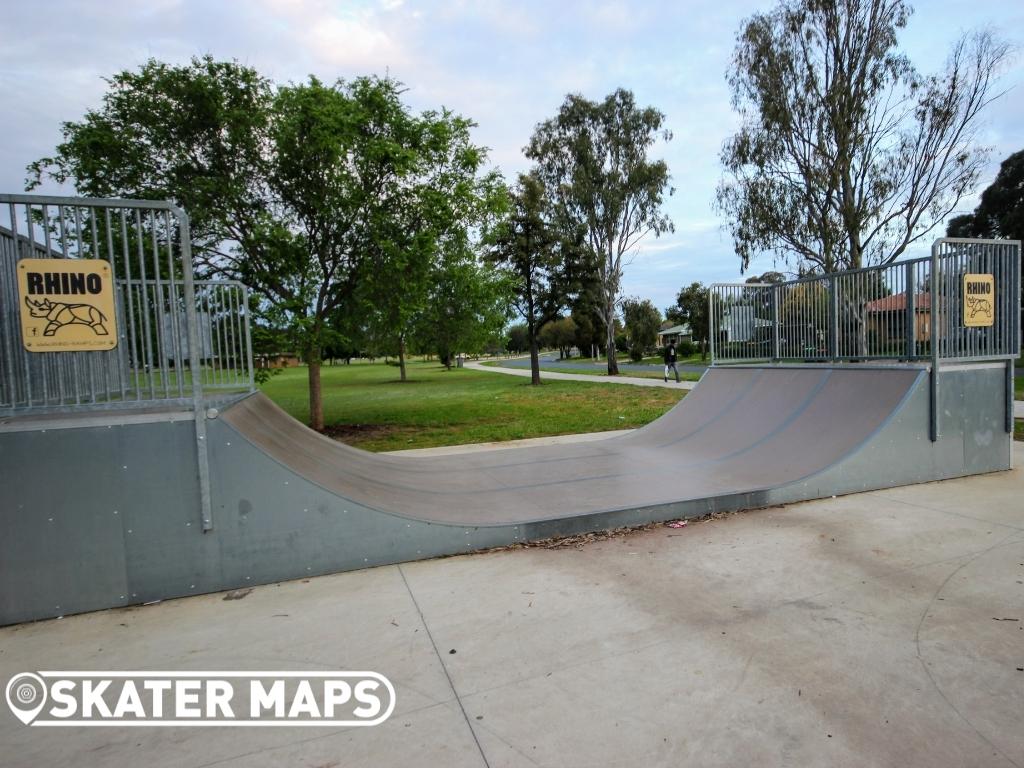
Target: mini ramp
288,502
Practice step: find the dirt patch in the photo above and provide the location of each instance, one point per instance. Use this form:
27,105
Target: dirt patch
356,433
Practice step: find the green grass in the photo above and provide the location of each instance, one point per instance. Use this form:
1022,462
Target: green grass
598,371
1018,388
1018,429
367,406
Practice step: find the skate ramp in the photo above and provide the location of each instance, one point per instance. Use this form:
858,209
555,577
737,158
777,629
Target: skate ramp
105,513
740,430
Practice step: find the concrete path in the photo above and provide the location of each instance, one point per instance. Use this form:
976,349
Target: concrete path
552,376
880,629
625,366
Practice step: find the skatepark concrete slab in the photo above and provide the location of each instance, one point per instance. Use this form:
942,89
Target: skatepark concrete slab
858,631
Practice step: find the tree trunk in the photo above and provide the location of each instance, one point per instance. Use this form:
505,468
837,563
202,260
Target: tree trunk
534,361
316,403
609,320
401,356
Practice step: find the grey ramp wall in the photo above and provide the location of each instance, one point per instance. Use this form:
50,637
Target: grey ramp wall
973,439
125,523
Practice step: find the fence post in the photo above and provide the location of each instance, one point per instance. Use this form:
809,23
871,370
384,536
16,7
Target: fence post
195,354
933,342
833,319
776,346
712,326
910,318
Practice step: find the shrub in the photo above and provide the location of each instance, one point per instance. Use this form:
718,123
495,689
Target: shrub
686,348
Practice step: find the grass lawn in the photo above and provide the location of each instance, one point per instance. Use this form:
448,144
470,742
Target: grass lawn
366,406
1018,429
1018,388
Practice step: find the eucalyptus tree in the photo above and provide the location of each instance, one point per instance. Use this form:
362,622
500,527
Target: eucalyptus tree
593,159
846,155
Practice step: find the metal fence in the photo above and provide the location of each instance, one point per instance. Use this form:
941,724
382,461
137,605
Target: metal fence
178,339
909,310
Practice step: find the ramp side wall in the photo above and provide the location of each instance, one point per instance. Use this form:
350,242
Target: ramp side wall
973,439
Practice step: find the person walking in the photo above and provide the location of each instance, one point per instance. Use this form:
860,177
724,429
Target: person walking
670,360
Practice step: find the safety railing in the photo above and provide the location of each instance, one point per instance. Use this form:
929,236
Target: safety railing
177,338
920,309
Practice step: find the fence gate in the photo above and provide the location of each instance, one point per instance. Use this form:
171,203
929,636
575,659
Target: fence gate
164,341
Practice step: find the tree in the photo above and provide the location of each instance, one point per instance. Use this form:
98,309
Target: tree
530,250
559,334
846,155
290,190
1000,214
195,134
518,339
592,158
692,308
771,278
467,307
643,321
341,156
425,216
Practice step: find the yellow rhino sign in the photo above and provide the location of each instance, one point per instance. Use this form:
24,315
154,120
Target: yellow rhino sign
67,305
979,301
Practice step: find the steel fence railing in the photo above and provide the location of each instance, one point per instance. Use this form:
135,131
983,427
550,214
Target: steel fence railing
908,310
177,337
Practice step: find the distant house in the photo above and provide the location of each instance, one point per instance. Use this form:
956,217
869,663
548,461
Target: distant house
676,333
740,323
887,317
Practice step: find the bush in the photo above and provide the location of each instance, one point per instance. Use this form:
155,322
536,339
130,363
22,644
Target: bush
636,354
686,349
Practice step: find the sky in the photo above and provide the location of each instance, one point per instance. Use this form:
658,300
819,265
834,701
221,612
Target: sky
507,65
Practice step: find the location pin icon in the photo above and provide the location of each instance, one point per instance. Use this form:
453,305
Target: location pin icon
26,695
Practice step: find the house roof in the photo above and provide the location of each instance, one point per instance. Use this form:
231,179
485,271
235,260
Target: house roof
898,303
676,329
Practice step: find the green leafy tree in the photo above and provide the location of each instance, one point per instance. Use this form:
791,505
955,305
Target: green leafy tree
293,190
1000,214
643,321
340,152
559,334
467,307
593,160
196,134
518,339
692,307
425,217
538,260
846,154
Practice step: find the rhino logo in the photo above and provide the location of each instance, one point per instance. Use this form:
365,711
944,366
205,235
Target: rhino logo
979,306
60,314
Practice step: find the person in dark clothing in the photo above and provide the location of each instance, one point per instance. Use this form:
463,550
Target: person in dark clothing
670,360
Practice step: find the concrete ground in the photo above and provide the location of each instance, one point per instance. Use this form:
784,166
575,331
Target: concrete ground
880,629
